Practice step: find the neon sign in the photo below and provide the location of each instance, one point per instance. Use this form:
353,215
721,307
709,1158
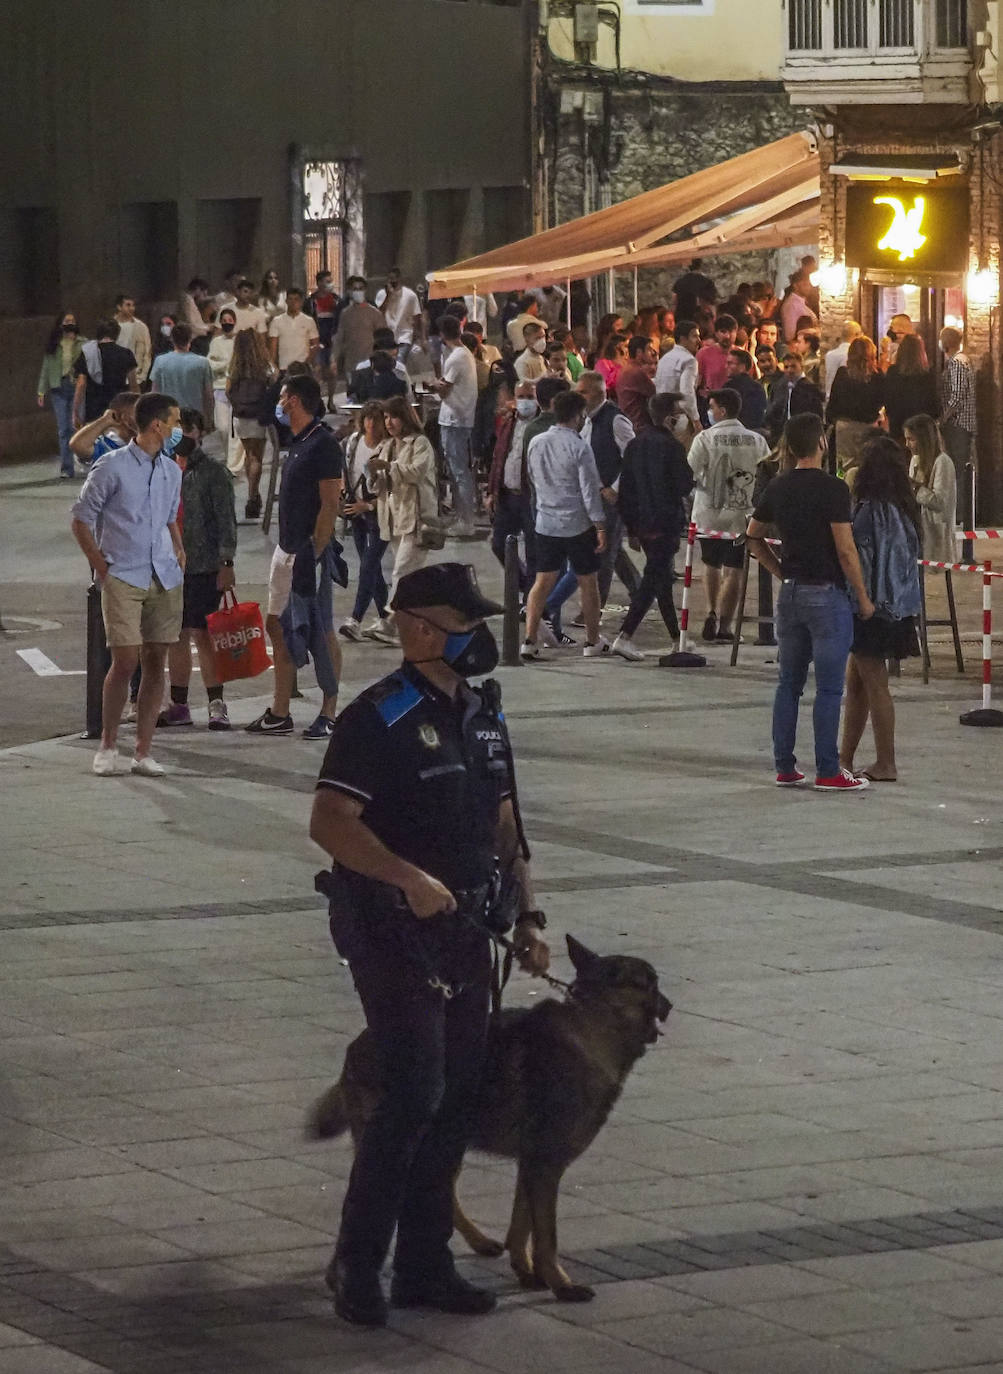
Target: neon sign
903,236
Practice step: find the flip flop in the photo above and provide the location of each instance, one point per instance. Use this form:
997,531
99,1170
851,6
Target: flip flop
872,777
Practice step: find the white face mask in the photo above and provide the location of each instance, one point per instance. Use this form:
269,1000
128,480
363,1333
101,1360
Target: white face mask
680,426
525,407
540,346
358,297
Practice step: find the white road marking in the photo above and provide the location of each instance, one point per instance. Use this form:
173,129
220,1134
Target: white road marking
43,665
28,624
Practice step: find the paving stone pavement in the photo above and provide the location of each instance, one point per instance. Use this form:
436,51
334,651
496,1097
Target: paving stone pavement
803,1176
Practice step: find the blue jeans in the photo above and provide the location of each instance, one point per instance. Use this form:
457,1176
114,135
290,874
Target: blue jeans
372,584
456,451
813,624
61,399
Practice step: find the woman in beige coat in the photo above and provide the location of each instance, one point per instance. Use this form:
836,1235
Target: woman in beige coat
405,485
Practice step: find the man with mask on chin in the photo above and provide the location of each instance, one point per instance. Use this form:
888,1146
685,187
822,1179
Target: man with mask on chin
357,324
509,500
126,523
416,804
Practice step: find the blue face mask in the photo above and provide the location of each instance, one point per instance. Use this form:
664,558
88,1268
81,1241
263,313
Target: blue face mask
173,439
280,416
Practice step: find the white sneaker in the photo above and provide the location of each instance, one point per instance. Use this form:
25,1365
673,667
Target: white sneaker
531,653
602,648
384,631
351,629
148,768
105,763
130,714
624,646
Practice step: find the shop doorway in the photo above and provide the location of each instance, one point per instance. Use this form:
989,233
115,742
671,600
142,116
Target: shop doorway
929,305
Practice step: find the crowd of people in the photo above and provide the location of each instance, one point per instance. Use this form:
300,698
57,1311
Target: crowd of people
586,448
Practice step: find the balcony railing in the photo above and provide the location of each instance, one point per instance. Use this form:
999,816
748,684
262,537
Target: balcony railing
856,50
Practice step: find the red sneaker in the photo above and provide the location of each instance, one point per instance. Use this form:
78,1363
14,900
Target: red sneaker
792,779
842,782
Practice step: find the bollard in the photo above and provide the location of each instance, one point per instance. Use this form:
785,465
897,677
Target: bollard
510,622
684,657
986,715
98,662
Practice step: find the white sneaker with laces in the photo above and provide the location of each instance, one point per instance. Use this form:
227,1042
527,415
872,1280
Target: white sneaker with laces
148,768
384,631
602,648
105,763
350,629
530,652
624,646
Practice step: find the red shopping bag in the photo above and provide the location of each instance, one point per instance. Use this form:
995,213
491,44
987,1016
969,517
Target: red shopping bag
237,633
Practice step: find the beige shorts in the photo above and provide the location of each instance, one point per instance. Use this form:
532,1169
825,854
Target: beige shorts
280,580
137,615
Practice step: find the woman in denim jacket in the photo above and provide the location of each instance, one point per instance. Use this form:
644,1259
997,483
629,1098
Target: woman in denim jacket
886,527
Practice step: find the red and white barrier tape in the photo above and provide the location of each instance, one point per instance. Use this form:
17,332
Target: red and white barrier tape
956,567
978,534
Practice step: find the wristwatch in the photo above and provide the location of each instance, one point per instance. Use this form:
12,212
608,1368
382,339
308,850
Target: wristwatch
536,918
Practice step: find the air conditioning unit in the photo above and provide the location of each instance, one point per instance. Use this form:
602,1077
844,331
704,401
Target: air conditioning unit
587,24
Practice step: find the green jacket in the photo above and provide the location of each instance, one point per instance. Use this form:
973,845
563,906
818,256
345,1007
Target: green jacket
208,516
51,376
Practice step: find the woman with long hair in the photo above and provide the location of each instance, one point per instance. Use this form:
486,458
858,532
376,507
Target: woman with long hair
359,506
608,325
403,478
855,401
910,386
612,362
272,300
247,381
935,483
223,443
56,382
886,529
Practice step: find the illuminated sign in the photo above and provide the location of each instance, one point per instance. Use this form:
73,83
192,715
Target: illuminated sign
889,226
903,235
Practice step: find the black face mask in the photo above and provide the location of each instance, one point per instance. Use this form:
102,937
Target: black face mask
69,328
470,653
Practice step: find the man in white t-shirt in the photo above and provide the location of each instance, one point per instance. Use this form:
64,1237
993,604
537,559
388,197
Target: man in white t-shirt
480,309
401,310
529,364
677,371
133,335
836,357
458,389
249,315
293,336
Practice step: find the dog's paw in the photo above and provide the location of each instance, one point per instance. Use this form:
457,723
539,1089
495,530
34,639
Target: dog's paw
575,1292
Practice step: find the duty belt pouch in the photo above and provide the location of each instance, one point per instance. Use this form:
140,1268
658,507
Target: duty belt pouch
342,907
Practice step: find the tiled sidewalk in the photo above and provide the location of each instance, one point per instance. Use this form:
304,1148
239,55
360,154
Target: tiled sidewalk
803,1176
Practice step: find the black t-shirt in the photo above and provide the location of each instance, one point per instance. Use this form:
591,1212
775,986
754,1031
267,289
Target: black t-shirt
314,456
803,504
116,364
430,772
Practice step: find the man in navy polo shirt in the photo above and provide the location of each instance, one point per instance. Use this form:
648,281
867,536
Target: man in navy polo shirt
308,508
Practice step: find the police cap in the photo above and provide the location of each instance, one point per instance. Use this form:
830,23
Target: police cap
444,584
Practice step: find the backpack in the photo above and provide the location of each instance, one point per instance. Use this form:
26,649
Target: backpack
246,397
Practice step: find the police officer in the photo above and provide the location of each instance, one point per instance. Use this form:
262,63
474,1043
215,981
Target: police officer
416,805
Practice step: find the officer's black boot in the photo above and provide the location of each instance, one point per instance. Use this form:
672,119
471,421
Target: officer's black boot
358,1297
447,1292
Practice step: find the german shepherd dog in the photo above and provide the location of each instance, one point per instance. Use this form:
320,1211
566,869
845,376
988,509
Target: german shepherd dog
552,1075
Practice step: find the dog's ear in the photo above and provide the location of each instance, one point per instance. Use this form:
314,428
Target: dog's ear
583,959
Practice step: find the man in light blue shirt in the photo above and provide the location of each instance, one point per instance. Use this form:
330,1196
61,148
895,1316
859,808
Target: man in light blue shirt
184,375
570,522
126,522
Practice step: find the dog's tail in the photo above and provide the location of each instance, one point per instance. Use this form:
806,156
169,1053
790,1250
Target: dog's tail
328,1117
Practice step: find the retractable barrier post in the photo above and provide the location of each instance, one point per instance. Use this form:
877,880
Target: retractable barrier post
684,657
968,499
510,622
98,662
766,637
986,715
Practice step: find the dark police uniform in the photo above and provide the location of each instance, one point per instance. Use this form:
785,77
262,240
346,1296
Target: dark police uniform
431,773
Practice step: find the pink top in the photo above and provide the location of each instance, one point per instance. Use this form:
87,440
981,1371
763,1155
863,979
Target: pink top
610,370
712,364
